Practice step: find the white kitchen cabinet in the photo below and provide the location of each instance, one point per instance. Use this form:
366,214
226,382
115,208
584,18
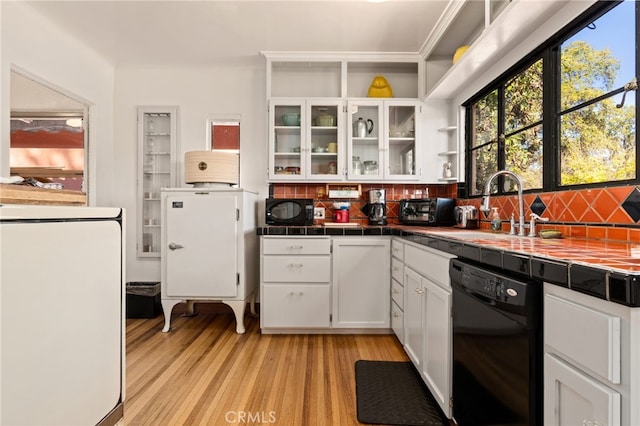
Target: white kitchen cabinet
576,398
428,325
295,283
209,249
436,365
157,148
388,149
312,149
413,305
397,288
361,282
592,356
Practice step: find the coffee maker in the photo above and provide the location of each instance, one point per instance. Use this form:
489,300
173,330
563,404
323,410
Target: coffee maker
377,207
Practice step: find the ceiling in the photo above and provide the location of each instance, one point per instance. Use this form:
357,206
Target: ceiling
209,32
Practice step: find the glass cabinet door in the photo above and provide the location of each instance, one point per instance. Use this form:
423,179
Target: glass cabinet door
366,131
400,153
157,152
325,140
285,140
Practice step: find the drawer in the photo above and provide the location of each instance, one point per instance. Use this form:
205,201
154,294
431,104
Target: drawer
397,269
296,246
397,293
296,269
397,322
295,306
397,249
429,263
583,335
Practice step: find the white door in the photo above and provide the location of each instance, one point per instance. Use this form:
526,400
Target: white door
573,398
413,293
436,367
361,283
201,254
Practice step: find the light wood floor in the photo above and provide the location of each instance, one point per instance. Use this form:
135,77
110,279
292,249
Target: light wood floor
203,373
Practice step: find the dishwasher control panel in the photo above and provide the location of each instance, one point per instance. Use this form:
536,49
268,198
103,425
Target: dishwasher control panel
491,285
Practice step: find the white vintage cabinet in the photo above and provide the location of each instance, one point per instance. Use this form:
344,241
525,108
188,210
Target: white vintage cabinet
295,283
592,360
209,249
361,282
427,312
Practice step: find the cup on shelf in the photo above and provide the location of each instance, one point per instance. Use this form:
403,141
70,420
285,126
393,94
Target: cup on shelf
332,147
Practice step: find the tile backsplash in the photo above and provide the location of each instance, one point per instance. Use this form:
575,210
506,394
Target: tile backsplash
394,193
599,213
611,213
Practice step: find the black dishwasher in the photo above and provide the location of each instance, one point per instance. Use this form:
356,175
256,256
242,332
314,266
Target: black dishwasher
497,347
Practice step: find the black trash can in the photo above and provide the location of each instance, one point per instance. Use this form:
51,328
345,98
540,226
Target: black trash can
143,299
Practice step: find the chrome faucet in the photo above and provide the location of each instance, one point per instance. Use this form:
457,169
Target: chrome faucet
532,223
485,200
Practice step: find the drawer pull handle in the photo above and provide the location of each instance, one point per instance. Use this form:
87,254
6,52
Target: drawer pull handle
419,290
396,292
295,265
395,315
296,247
293,293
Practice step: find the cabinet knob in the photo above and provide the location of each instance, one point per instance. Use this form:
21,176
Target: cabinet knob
419,290
395,315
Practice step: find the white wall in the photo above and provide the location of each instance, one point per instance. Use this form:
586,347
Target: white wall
238,87
33,45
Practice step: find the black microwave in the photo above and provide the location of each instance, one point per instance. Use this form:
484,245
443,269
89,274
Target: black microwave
289,211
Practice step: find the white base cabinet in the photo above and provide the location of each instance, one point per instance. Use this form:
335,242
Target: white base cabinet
592,360
325,284
209,249
427,313
295,282
361,282
397,288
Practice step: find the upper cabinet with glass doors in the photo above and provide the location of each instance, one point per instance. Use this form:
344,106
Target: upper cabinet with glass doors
382,140
306,140
157,169
310,132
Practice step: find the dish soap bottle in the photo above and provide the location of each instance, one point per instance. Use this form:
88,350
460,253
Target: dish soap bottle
496,223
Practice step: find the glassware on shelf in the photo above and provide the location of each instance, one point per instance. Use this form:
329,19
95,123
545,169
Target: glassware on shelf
356,166
370,167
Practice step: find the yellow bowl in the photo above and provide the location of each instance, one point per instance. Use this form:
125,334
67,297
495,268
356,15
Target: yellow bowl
459,52
550,233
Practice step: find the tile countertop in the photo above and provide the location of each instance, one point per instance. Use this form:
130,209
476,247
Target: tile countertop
607,270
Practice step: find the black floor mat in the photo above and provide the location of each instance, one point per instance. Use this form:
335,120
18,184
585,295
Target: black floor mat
393,393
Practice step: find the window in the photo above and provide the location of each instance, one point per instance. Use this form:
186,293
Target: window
557,119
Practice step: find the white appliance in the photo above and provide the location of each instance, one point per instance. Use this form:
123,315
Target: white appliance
209,249
62,315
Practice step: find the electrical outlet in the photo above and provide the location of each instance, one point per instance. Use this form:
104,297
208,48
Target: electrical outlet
318,212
